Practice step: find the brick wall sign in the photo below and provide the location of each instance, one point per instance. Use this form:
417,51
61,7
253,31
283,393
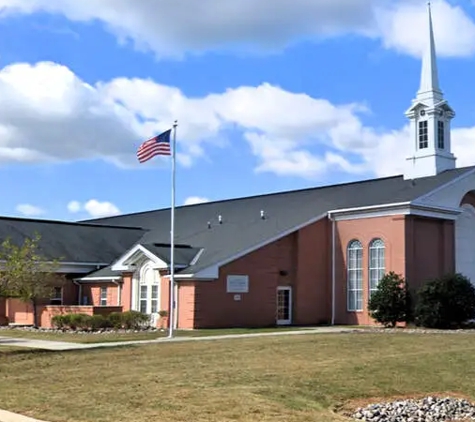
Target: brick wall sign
237,284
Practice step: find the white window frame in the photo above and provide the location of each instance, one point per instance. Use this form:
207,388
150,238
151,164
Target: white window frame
103,300
376,264
149,283
354,263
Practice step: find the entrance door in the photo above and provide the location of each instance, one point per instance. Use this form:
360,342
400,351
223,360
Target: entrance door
149,294
284,305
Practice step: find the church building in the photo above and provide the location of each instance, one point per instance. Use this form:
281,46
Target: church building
292,258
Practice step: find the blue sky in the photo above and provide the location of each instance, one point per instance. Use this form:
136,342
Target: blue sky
266,100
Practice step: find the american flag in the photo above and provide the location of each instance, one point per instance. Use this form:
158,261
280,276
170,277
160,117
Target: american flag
158,145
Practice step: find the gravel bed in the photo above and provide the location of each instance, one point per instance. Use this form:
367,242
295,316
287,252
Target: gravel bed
429,409
78,332
414,331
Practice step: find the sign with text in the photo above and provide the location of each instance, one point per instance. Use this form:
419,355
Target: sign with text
237,284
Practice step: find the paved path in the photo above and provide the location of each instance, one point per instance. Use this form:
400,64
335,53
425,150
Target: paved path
14,417
62,345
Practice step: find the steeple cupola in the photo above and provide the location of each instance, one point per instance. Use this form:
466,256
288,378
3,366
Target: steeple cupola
430,116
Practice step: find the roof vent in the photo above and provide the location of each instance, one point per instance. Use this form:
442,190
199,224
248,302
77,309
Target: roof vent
263,215
209,224
220,219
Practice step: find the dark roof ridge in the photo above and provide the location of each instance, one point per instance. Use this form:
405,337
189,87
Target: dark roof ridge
71,223
220,201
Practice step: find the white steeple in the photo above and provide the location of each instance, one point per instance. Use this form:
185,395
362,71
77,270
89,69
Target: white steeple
430,117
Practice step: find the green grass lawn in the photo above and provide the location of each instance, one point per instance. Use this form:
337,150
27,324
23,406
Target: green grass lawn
285,378
113,337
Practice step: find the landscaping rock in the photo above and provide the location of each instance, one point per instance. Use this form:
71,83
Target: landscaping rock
429,409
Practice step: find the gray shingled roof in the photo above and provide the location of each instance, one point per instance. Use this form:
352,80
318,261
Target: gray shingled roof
71,242
105,273
183,254
242,228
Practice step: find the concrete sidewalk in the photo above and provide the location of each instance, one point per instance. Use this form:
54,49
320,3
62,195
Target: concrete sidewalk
14,417
62,345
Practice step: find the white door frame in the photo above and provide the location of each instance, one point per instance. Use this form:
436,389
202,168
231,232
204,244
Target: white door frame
289,320
138,281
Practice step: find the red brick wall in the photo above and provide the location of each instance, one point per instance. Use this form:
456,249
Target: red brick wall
312,289
93,293
303,255
214,307
126,294
186,304
430,249
391,230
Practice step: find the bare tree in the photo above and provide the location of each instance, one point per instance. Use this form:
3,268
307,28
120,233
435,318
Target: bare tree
26,274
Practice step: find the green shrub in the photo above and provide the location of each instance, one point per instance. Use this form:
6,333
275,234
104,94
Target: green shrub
66,319
390,303
79,321
99,322
58,321
115,320
445,302
134,320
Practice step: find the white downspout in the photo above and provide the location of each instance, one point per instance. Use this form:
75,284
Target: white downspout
175,316
332,219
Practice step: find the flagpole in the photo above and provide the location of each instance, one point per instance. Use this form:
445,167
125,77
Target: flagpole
172,240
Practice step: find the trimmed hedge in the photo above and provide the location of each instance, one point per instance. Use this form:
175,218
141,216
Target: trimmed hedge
130,320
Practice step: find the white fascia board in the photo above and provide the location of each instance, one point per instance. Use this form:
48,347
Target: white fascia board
356,210
97,278
122,263
407,208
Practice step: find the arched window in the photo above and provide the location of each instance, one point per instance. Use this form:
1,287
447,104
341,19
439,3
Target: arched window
148,294
377,264
355,275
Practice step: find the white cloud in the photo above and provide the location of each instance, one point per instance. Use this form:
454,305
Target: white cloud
46,105
454,30
192,200
99,209
29,210
172,28
74,206
94,208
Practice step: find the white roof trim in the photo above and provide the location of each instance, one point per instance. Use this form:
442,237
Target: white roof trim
370,208
122,263
197,256
98,278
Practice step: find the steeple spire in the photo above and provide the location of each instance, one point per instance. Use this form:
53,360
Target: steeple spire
430,116
430,76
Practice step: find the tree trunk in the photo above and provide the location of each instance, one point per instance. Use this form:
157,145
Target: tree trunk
35,314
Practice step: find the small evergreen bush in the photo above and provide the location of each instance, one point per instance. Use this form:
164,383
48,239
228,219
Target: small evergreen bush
134,320
130,320
445,302
98,322
390,303
79,321
58,321
115,320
